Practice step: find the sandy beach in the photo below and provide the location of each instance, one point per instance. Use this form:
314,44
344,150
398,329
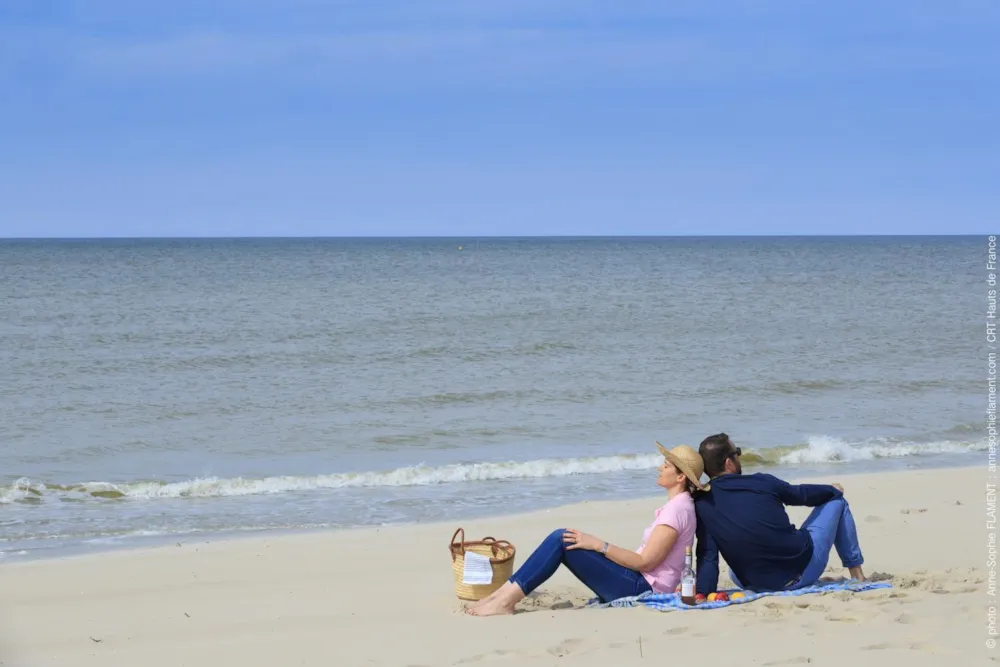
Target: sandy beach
385,597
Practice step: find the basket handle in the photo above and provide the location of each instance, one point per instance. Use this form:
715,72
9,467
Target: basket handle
451,545
494,543
497,544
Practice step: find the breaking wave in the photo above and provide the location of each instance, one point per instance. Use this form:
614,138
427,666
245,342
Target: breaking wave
819,449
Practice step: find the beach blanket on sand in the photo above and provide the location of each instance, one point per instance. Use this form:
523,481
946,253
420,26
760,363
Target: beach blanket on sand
672,601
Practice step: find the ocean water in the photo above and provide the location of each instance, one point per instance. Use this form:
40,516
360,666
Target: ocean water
174,389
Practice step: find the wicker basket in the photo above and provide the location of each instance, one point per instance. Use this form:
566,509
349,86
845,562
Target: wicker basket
501,553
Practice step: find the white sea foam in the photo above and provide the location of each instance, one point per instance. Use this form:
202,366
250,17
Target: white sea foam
819,449
824,449
415,476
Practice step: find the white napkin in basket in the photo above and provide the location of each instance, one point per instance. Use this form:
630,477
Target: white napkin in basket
477,570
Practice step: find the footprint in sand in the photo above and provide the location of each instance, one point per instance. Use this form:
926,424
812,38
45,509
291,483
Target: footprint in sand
802,604
937,587
905,619
635,643
959,590
565,647
483,656
919,579
971,576
915,646
894,599
548,601
885,597
565,604
841,619
676,631
801,660
871,518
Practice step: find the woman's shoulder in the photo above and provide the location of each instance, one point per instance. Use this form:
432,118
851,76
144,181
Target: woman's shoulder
682,502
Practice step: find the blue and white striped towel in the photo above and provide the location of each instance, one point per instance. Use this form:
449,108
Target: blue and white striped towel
672,601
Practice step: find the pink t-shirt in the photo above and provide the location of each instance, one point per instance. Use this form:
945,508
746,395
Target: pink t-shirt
678,513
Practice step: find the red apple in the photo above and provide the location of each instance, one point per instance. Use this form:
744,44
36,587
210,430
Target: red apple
722,596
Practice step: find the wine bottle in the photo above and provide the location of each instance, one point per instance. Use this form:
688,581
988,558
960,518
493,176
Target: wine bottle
687,579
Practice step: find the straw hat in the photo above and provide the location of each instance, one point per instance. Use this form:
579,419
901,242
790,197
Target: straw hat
687,461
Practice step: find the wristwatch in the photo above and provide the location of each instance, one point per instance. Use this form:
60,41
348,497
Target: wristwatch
604,549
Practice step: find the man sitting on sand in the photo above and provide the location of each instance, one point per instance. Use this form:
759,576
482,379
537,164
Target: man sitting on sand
743,517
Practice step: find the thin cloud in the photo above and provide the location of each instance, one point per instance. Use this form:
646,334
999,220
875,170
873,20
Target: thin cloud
392,54
512,44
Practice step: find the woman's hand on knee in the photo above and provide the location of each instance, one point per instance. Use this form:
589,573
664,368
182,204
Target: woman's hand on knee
575,539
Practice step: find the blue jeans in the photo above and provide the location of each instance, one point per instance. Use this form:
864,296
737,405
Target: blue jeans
607,579
830,525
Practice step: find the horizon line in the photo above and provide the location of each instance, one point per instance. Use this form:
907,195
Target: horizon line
481,237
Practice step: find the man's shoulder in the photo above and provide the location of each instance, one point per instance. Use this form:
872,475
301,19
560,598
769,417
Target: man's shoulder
766,477
701,500
752,481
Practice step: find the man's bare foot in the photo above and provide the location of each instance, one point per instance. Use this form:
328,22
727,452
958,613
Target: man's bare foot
857,573
498,607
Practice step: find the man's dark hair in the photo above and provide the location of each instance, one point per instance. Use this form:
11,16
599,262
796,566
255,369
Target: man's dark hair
714,450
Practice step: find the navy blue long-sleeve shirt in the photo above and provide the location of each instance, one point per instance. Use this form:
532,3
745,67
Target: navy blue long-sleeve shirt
743,517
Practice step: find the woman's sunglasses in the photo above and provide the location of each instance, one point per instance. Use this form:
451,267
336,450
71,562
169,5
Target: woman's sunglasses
738,452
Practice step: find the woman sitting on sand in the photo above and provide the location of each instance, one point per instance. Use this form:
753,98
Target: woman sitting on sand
613,572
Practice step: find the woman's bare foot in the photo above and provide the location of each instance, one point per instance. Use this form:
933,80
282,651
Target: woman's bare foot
857,573
502,601
493,608
480,603
485,600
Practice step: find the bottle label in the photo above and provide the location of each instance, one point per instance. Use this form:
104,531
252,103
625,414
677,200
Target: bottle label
687,589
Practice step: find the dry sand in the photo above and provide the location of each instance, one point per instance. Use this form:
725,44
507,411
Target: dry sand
385,597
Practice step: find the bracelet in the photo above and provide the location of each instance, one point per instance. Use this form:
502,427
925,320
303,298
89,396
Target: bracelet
604,549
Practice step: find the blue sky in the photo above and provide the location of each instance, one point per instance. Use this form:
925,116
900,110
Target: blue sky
497,117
